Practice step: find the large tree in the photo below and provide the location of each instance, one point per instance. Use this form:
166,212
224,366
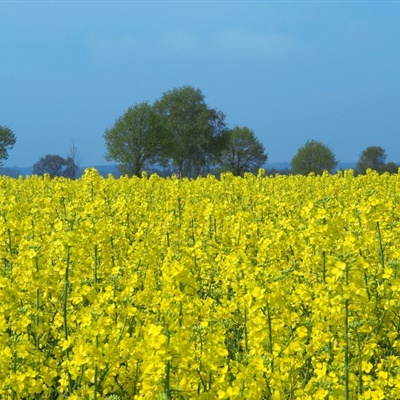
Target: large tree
51,164
195,134
373,157
133,141
314,157
243,151
7,141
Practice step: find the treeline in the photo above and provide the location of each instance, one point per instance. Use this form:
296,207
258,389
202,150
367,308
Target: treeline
316,157
180,133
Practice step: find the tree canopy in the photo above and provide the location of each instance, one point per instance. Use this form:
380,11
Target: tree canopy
7,141
243,151
134,140
193,133
180,131
314,157
374,157
55,165
72,161
391,167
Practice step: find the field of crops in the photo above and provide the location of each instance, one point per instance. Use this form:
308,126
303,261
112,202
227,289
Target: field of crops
238,288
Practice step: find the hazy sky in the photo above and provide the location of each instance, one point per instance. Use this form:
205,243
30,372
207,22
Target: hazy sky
289,70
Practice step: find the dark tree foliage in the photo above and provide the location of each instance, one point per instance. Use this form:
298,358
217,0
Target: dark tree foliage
71,168
391,167
55,165
7,141
374,157
243,152
314,157
192,135
72,162
133,142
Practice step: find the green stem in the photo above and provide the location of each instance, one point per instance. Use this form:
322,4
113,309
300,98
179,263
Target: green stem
167,387
360,371
112,256
381,251
366,286
96,261
382,259
37,309
136,379
37,318
346,340
121,331
96,372
65,299
201,381
239,234
270,345
180,315
167,379
246,339
180,211
193,236
10,249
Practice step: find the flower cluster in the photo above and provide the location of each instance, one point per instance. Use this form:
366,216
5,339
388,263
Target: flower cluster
283,287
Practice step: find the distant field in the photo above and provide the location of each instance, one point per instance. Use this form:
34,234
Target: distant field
239,288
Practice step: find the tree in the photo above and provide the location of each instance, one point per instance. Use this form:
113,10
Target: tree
373,157
51,164
243,152
314,157
133,141
72,162
7,141
193,134
391,167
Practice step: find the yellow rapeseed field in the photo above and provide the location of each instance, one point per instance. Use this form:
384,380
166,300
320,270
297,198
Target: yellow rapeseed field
283,287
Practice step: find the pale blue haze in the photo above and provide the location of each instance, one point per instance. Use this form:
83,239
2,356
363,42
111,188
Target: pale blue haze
291,71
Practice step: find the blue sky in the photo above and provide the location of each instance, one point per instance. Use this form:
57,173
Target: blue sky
289,70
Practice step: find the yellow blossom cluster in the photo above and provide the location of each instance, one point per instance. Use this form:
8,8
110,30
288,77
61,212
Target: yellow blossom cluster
283,287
